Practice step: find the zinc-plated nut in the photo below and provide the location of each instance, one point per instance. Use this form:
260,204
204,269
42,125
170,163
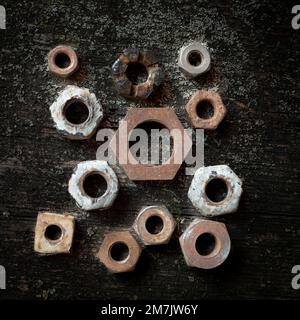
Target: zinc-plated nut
198,100
154,225
202,63
53,233
124,86
119,252
76,185
67,102
62,61
194,240
215,190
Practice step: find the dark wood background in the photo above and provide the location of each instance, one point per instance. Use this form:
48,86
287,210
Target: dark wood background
255,56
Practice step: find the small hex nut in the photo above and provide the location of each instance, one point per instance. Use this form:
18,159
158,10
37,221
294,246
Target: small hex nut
62,61
215,190
53,233
154,225
76,185
119,252
193,244
202,62
199,100
67,102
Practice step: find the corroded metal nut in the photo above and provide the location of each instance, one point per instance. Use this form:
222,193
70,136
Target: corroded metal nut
53,233
198,100
166,117
194,59
76,185
68,101
62,61
198,251
124,86
119,252
154,225
215,190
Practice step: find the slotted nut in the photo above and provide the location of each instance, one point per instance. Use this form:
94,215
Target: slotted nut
215,190
76,185
154,225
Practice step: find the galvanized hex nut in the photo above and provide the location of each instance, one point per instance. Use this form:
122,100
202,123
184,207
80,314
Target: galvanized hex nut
74,101
62,61
76,185
53,233
194,59
154,225
215,190
119,252
205,244
124,86
202,99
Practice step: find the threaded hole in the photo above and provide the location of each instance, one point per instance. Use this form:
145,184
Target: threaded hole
216,190
119,251
53,232
154,224
205,244
62,60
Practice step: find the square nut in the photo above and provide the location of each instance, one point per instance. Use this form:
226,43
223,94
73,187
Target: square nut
54,233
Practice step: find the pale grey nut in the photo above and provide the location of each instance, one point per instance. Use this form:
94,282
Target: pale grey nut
215,190
67,99
202,64
76,185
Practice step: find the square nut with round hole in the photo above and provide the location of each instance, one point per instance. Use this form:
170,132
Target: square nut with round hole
215,190
154,225
194,60
76,113
205,244
86,181
53,233
206,110
119,252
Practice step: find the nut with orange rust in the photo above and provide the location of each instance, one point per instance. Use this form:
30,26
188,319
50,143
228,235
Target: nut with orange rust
53,233
62,61
154,225
119,252
206,110
136,170
133,59
205,244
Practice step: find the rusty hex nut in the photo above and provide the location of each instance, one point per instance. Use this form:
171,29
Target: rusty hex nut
124,86
205,244
215,190
62,61
154,225
201,99
119,252
194,59
53,233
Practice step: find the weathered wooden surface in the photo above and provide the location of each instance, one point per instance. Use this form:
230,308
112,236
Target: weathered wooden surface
256,70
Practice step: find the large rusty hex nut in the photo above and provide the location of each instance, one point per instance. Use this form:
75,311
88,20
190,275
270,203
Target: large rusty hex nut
138,171
194,59
124,86
53,233
205,244
154,225
215,190
71,103
84,171
119,252
62,61
200,100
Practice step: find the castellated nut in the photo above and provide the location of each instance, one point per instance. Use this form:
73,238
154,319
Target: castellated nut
154,225
53,233
119,252
202,63
194,244
215,190
76,185
68,101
